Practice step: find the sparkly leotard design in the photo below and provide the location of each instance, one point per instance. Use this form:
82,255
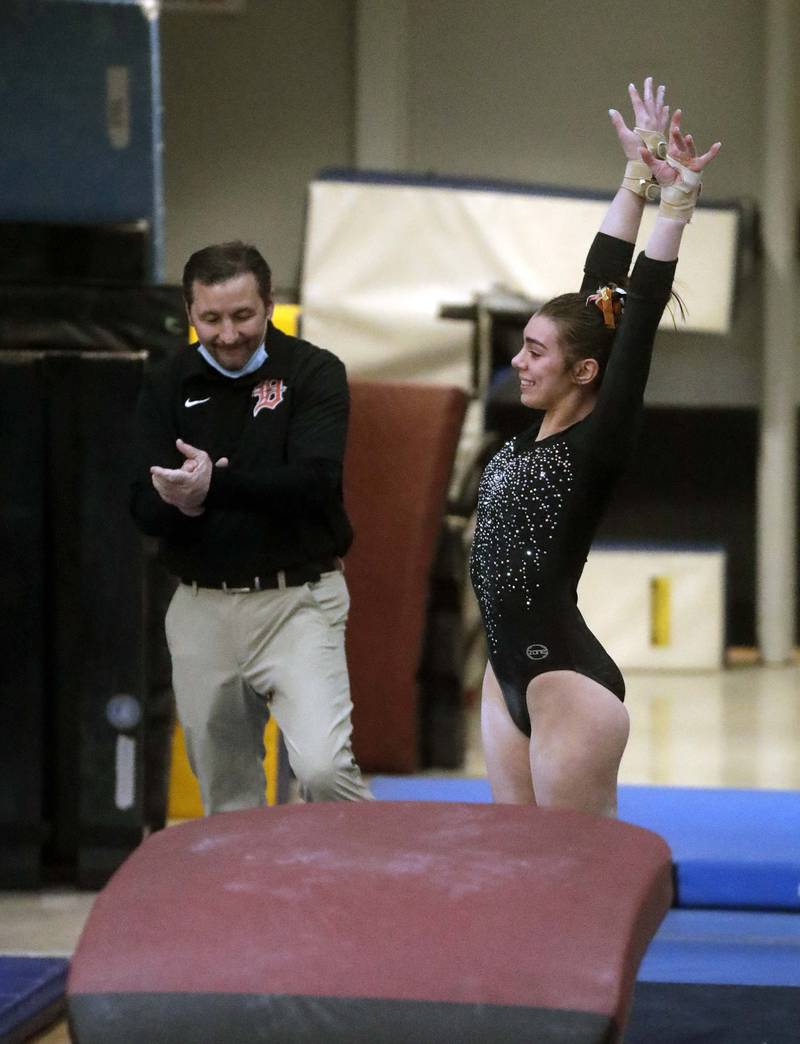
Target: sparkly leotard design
521,499
540,502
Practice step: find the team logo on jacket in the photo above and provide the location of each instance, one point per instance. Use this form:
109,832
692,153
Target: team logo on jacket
537,652
268,395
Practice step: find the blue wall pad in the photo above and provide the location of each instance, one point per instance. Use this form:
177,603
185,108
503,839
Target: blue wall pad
31,994
80,101
732,848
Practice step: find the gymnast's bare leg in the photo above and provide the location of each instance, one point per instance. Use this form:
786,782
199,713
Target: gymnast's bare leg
505,748
578,737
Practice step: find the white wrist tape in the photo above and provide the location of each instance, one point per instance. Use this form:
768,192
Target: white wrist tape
639,179
654,141
678,200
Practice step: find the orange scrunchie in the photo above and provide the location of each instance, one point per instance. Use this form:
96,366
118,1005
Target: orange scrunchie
609,300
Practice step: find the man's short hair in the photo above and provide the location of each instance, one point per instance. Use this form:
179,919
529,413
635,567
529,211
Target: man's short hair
223,261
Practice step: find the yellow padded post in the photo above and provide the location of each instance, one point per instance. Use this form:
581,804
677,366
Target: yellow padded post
660,610
184,792
287,318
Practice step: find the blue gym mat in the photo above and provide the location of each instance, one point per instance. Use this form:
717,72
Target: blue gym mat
737,849
727,976
31,994
725,947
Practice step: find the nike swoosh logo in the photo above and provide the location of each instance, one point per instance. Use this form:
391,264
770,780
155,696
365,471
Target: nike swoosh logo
196,402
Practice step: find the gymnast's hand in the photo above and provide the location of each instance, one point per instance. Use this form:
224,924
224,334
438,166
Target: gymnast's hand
649,113
681,156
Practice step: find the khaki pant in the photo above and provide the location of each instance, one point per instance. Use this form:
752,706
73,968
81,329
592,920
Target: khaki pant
236,659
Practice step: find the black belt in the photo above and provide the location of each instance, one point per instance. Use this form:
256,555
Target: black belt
270,581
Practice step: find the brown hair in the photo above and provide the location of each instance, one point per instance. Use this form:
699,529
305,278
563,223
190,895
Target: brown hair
581,330
223,261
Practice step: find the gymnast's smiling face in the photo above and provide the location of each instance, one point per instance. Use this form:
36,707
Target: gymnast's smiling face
544,376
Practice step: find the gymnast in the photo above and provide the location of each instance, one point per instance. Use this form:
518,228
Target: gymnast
552,718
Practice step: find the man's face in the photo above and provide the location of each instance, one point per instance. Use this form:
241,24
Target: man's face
230,318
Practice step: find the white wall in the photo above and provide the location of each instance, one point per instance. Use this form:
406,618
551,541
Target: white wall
256,103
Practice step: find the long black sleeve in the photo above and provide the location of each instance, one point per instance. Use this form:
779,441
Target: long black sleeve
617,414
608,261
155,444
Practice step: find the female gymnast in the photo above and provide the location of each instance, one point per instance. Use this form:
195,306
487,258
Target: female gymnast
552,719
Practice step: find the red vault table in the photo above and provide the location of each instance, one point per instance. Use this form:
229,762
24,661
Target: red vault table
375,922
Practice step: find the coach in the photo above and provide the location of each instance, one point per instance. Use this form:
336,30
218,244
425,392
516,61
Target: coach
239,473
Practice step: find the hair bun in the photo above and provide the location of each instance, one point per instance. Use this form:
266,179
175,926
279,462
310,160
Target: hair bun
610,301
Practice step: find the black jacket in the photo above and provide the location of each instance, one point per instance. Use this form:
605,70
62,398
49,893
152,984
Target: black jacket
278,505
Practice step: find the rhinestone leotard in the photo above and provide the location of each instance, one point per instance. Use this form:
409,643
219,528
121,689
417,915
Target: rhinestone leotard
540,502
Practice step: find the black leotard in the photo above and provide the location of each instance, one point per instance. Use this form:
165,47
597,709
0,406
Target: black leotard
540,502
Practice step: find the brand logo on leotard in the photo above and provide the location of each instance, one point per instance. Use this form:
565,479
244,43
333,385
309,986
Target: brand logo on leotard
537,652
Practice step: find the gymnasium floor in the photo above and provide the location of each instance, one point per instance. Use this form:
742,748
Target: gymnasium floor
734,728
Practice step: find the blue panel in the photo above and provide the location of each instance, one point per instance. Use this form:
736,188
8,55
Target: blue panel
725,947
430,788
28,985
58,162
733,848
519,188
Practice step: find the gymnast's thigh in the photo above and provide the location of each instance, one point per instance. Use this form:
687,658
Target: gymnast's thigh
506,747
575,714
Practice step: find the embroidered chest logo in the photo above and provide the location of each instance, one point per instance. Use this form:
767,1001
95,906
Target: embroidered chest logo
537,652
268,394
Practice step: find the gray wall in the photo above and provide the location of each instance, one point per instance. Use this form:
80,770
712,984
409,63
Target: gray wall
520,88
257,102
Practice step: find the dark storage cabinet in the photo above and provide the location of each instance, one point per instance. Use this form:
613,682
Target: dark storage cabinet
84,704
22,632
73,583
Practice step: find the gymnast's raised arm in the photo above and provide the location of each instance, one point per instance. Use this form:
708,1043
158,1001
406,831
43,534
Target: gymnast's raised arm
676,169
610,255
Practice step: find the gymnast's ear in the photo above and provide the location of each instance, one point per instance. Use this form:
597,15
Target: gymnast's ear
584,371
